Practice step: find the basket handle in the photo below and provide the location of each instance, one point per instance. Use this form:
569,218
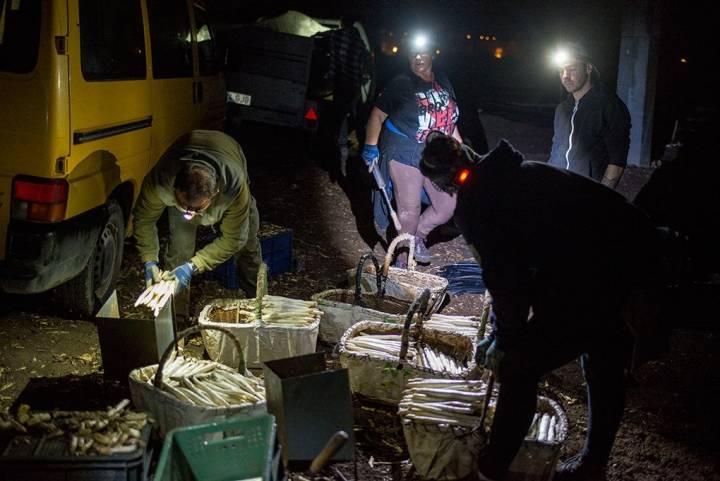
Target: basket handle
486,402
419,304
261,288
358,278
485,317
391,252
184,334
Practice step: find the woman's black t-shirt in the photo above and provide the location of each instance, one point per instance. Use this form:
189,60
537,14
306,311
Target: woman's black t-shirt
416,107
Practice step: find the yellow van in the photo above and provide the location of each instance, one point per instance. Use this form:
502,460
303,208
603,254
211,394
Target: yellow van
91,94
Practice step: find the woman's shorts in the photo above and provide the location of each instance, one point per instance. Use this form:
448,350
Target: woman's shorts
401,149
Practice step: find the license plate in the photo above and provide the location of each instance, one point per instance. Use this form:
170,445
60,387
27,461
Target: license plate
238,98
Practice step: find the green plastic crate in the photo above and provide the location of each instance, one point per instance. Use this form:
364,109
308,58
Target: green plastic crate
232,450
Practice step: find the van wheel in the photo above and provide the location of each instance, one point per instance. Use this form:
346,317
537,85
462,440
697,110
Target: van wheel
85,294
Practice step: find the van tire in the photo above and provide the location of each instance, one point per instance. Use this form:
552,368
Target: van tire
85,294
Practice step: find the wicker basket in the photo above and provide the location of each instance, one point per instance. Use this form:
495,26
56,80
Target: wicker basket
405,283
169,411
260,342
443,452
342,308
383,378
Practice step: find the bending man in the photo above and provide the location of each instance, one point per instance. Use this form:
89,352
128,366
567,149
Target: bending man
201,180
571,250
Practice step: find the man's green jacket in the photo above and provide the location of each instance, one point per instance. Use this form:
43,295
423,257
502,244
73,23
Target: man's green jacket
231,207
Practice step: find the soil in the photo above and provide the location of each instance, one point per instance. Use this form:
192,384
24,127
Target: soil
670,431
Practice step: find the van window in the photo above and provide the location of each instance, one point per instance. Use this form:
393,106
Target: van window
205,41
112,41
170,37
19,35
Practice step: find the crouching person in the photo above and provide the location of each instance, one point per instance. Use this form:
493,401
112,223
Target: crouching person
201,180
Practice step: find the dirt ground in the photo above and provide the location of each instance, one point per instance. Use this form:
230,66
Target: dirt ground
671,428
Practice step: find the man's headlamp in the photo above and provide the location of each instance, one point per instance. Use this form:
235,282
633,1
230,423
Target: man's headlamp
565,54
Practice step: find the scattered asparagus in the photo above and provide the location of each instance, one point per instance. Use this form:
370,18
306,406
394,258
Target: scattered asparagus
157,295
206,383
116,430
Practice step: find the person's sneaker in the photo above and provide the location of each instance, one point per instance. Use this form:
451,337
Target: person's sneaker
579,468
422,254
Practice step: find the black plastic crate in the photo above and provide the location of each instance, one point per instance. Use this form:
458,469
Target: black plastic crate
24,457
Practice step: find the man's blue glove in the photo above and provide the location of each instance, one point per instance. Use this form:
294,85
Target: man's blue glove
490,356
370,155
481,350
152,273
182,274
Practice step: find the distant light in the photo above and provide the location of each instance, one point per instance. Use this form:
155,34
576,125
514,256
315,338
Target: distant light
394,49
499,52
437,51
494,37
683,60
468,36
482,37
390,34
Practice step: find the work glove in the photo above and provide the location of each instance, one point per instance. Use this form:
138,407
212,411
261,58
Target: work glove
152,273
370,154
491,356
182,274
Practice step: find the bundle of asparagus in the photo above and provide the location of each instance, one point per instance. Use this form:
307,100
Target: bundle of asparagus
437,360
420,355
279,310
466,325
384,345
207,383
156,296
545,427
116,430
445,402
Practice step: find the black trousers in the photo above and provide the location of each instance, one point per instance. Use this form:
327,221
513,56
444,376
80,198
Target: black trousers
554,338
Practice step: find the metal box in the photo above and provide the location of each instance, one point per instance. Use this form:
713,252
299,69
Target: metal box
310,404
126,344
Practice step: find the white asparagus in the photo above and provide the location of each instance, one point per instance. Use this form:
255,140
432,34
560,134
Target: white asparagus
544,425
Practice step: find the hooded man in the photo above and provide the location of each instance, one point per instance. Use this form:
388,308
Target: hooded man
569,251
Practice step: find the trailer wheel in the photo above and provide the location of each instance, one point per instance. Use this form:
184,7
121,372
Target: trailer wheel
85,294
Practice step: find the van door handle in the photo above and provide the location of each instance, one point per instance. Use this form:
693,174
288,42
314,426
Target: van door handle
194,92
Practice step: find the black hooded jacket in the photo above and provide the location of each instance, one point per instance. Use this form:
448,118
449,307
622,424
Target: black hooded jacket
548,237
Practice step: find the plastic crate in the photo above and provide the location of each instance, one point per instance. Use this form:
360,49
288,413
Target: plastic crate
236,449
25,457
277,252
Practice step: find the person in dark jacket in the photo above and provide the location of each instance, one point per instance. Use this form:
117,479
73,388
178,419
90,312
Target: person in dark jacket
559,255
592,125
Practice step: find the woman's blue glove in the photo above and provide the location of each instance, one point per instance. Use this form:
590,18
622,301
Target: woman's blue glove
182,274
152,273
370,154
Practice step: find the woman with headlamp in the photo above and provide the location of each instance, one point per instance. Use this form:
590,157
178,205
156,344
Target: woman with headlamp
411,106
